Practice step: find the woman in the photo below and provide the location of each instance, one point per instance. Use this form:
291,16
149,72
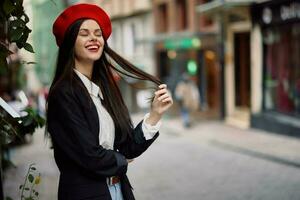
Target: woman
90,126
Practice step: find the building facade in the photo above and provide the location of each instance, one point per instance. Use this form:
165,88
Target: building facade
278,24
260,62
185,43
235,41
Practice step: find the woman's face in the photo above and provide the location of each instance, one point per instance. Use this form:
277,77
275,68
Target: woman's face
89,42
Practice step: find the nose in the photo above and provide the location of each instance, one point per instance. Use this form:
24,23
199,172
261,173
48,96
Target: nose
93,38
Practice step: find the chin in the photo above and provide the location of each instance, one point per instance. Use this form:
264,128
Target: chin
93,57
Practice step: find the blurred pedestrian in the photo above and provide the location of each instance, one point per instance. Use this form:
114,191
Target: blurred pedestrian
41,101
91,130
188,97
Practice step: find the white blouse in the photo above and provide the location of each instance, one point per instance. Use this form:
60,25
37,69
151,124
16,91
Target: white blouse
107,127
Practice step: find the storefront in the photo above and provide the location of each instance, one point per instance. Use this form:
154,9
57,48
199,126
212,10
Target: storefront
279,23
195,56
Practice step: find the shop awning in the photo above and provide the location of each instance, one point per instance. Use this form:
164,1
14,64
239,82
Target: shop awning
217,5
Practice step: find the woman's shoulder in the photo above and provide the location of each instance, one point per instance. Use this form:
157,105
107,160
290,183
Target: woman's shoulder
68,89
62,88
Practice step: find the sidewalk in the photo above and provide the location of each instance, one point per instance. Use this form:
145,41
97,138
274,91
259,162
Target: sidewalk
210,144
258,143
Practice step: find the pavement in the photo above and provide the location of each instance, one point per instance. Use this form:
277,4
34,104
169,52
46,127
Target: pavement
209,161
215,161
268,145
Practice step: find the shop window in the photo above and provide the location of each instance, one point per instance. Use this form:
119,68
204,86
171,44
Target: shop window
282,69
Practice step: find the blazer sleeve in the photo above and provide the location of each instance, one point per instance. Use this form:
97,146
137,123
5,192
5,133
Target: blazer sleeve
70,132
137,144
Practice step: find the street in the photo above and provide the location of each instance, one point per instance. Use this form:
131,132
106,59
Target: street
210,161
231,66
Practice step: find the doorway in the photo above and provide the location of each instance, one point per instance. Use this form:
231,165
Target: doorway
238,75
242,70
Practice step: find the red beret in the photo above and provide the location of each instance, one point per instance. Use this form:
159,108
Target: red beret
79,11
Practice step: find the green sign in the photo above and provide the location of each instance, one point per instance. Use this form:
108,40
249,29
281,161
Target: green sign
192,67
185,43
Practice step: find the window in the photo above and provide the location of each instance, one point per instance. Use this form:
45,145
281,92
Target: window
282,69
162,18
181,15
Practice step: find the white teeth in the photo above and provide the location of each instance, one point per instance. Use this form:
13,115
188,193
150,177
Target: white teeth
93,47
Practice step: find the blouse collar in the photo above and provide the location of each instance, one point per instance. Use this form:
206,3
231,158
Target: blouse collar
92,88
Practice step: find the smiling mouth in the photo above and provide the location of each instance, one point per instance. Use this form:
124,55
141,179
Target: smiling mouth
93,48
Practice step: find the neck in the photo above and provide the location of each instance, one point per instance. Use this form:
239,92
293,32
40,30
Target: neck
86,68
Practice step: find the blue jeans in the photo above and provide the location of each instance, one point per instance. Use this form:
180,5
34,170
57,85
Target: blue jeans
185,115
115,191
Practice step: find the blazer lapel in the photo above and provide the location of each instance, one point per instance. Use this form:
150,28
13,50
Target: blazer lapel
90,110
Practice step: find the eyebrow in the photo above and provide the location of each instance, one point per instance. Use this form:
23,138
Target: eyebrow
85,29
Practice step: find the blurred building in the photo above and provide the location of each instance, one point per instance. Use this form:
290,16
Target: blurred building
277,24
259,43
186,42
234,27
44,13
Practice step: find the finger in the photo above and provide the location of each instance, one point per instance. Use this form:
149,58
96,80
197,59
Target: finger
162,97
169,99
160,92
162,86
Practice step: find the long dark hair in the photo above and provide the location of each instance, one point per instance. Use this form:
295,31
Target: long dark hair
102,75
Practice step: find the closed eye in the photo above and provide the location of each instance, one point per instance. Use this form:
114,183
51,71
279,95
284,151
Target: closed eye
86,32
83,32
98,32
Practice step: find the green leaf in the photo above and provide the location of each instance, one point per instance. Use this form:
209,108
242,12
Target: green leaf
8,198
26,18
17,23
8,7
16,34
27,30
6,127
19,44
25,35
27,121
19,10
28,47
30,178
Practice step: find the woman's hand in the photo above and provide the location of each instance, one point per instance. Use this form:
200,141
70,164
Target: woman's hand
161,103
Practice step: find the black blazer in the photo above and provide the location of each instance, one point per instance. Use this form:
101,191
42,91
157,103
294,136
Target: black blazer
84,165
